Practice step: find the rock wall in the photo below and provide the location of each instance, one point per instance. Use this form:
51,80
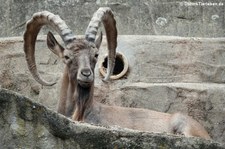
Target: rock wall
139,17
26,124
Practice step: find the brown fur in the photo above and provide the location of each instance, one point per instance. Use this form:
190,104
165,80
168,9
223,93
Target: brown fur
82,107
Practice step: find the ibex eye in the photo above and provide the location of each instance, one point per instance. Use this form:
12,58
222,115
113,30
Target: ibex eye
66,57
96,55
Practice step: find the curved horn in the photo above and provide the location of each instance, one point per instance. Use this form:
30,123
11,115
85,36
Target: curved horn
105,15
33,27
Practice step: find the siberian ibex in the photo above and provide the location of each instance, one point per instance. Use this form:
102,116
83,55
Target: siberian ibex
80,57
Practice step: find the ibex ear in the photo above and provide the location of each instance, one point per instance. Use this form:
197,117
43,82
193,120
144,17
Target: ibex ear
98,41
54,46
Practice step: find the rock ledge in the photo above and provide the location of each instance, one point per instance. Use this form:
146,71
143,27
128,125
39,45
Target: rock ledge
26,124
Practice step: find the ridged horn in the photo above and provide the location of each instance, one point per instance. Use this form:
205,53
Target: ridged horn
33,27
105,15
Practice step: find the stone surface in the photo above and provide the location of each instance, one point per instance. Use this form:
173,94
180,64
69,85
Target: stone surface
26,124
139,17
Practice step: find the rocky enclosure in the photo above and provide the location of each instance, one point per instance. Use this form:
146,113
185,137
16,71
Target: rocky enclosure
166,73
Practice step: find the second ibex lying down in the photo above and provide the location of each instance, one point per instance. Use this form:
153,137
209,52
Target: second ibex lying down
80,57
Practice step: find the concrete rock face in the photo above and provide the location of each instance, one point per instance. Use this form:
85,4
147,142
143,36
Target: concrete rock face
167,74
139,17
26,124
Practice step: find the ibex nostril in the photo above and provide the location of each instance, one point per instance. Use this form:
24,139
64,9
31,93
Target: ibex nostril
86,72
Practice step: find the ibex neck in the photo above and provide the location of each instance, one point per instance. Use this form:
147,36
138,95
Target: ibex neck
83,101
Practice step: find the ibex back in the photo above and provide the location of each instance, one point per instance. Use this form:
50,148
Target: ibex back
80,57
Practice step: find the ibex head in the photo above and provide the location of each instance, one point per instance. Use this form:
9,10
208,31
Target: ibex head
80,55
